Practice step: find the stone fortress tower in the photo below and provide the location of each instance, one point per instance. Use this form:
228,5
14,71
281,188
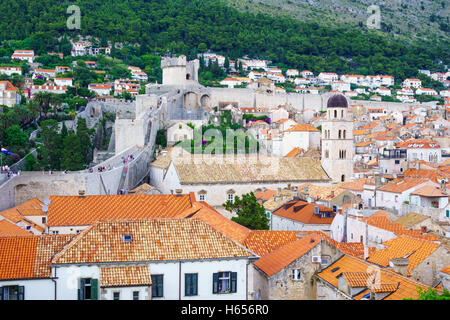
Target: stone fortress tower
337,140
177,71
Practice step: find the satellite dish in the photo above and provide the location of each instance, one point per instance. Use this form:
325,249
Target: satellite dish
45,208
383,179
395,176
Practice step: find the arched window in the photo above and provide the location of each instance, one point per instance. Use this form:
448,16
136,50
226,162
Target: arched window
342,113
327,154
339,134
335,113
343,178
344,134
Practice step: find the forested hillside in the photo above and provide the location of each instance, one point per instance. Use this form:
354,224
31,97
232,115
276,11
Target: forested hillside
182,25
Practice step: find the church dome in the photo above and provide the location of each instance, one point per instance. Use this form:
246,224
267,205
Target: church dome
337,101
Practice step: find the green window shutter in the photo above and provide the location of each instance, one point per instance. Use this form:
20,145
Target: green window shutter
195,284
233,281
1,293
81,290
94,289
21,293
187,284
447,213
215,282
157,285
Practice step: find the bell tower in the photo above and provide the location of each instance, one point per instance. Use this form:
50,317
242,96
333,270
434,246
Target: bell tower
337,140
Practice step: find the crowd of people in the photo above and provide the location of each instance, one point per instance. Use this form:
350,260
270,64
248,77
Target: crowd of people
6,169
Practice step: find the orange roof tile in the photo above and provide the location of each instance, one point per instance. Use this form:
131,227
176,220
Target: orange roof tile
293,153
302,127
28,257
151,240
10,229
404,287
82,211
430,191
416,250
446,269
356,185
303,211
277,260
227,227
263,242
401,185
125,276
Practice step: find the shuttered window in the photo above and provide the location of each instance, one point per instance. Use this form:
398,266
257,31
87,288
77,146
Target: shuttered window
88,289
224,282
191,284
157,285
12,293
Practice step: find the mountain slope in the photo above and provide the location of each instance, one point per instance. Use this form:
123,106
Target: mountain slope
407,18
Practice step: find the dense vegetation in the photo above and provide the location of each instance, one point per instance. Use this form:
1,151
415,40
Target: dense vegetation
249,212
185,26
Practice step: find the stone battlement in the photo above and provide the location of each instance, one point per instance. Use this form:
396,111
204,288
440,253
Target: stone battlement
174,62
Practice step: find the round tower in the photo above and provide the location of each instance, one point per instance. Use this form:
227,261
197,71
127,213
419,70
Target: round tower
174,70
337,140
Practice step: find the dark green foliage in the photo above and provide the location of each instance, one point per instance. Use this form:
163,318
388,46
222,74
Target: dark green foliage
432,294
15,137
249,212
181,25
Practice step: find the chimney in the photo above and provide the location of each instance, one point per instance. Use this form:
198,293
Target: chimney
400,266
423,229
81,194
178,192
332,193
289,186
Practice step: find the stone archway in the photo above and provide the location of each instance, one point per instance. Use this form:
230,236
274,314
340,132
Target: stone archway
190,100
205,101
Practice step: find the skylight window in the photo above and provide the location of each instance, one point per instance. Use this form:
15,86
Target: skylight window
127,238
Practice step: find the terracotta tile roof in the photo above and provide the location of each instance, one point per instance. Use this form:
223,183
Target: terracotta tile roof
446,269
401,185
125,276
355,185
266,195
225,226
418,144
10,229
401,287
356,279
360,132
151,240
364,143
428,174
30,208
214,169
293,153
302,127
263,242
416,250
79,211
382,222
277,260
325,193
28,257
303,211
355,249
430,191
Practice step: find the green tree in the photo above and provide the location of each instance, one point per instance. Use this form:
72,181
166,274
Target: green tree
30,162
73,153
49,152
14,136
85,140
431,294
249,212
